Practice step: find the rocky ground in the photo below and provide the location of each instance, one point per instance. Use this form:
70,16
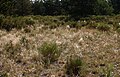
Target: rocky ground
99,50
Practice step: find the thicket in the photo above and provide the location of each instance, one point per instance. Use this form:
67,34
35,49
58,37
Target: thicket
102,23
8,23
74,8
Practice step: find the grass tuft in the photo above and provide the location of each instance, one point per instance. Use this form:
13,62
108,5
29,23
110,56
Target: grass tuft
74,66
50,52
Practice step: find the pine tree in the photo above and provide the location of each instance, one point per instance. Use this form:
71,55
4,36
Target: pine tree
103,8
23,7
116,6
82,8
7,7
38,8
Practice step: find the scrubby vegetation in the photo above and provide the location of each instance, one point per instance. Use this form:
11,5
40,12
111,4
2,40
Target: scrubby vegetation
50,53
74,66
102,23
8,23
59,38
38,46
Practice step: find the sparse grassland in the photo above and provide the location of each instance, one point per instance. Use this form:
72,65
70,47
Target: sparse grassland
42,46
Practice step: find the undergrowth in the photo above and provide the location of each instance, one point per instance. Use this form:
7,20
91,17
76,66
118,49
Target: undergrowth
103,23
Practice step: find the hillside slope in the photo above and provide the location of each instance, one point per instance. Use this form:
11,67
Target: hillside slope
98,50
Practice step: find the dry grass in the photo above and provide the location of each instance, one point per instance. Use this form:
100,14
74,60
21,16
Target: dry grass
99,51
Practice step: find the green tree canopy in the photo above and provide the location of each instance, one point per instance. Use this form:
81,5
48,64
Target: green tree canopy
116,6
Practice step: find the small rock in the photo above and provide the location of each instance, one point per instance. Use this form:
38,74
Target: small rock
52,76
119,23
81,39
68,26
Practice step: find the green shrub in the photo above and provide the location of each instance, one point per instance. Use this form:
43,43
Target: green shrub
51,21
19,22
110,21
62,18
116,25
98,18
1,18
7,23
74,24
10,22
118,30
74,66
50,52
103,26
29,21
53,25
100,26
110,70
92,24
107,72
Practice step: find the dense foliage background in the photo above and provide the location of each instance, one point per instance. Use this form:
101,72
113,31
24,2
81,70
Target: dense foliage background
75,8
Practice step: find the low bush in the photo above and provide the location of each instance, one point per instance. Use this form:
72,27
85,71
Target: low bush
53,25
73,66
9,22
29,21
116,25
92,24
103,26
50,52
74,24
100,26
51,21
1,18
99,18
118,30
